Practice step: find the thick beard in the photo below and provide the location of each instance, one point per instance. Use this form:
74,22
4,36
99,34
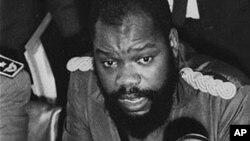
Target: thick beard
162,102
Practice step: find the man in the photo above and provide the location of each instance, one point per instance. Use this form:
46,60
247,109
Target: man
146,85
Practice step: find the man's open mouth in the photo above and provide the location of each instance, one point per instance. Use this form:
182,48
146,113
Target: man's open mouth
133,103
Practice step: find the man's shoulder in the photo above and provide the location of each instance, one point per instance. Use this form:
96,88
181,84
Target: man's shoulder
81,69
210,75
209,65
215,77
218,69
217,90
83,79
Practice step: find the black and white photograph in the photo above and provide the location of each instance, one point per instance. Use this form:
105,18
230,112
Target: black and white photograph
124,70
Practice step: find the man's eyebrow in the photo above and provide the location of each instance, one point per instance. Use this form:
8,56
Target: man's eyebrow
107,53
141,48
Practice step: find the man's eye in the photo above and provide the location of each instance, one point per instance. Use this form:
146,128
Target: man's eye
110,64
145,60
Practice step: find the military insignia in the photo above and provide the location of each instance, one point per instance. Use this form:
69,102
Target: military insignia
80,63
207,83
9,67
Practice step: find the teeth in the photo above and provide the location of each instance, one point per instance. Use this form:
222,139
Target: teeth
129,96
134,100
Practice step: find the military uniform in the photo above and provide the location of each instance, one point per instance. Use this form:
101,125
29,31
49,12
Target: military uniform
210,96
15,91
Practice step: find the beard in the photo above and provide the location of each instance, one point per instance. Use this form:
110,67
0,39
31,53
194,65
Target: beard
139,126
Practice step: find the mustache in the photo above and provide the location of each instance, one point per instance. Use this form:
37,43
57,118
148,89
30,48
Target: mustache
135,91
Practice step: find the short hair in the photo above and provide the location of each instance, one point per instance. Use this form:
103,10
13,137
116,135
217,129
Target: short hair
112,12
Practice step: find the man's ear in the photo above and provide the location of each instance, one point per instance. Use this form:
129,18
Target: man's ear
174,42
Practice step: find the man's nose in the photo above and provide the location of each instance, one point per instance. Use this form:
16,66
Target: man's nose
128,78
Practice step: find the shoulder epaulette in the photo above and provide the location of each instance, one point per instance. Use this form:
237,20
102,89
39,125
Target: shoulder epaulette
9,67
80,63
208,84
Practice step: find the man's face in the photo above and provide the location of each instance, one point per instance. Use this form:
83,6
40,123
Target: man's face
132,62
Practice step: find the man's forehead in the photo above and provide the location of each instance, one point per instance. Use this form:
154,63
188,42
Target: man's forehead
134,27
137,22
